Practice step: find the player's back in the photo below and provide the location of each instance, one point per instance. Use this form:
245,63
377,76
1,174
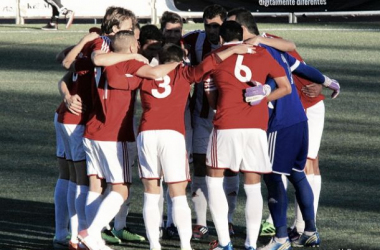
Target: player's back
232,77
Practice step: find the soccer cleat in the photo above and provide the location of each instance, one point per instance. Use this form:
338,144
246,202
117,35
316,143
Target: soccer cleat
171,232
125,234
231,229
267,229
70,18
50,26
200,232
293,234
307,241
73,246
110,238
90,242
274,245
61,244
215,245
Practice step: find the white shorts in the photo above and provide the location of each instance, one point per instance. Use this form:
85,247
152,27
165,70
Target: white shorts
316,119
73,141
244,150
108,160
163,152
60,151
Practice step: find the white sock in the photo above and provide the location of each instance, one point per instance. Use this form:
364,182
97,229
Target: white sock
231,188
80,206
161,205
253,213
169,209
219,208
72,212
299,223
317,186
61,209
182,220
106,212
120,221
93,202
151,215
199,198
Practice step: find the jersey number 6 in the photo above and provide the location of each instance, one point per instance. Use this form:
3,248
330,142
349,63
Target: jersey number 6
239,68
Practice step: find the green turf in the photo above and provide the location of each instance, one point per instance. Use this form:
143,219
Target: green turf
348,216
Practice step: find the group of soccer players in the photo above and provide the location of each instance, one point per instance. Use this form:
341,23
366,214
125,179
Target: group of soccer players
224,128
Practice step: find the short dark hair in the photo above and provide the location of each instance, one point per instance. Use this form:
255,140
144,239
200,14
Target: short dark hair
150,32
171,52
245,18
231,30
123,39
213,11
170,17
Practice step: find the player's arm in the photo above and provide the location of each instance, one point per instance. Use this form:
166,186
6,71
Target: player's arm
277,43
156,72
283,88
67,63
61,55
108,59
312,90
211,92
72,102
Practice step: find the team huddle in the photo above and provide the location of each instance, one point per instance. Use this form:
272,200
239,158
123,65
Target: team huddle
256,108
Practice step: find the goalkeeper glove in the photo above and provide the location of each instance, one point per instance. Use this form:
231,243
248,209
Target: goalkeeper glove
333,85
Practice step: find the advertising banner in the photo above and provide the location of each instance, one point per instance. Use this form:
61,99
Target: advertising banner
283,5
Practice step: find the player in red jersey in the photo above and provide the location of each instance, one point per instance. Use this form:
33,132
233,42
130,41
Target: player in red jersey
107,134
238,142
161,141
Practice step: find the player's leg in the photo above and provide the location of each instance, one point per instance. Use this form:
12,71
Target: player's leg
231,188
56,4
253,208
181,213
317,186
53,23
199,196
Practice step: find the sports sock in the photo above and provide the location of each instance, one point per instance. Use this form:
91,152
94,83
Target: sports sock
80,206
199,198
299,223
152,219
61,209
93,202
253,213
120,221
305,198
231,189
182,220
317,186
285,182
169,209
161,205
277,203
219,208
106,212
72,212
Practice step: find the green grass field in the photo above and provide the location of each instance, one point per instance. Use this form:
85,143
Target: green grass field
349,212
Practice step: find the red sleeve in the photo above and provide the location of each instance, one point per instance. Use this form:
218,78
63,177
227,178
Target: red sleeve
121,75
102,43
197,73
83,64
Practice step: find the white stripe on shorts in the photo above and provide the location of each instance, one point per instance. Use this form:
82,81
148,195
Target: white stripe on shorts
272,145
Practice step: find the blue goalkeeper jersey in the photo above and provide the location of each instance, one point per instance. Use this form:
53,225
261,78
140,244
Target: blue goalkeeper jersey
288,110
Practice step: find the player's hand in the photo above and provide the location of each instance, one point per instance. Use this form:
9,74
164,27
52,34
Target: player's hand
253,41
74,104
90,37
244,49
254,95
333,85
141,58
312,90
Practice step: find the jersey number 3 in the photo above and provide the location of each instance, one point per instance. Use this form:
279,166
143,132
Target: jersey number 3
167,89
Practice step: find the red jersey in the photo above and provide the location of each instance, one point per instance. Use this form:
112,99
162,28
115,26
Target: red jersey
164,100
82,82
231,78
111,117
300,82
